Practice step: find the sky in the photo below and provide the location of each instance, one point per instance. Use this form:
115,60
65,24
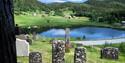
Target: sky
62,1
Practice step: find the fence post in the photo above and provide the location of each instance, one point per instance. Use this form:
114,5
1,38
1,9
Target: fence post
80,55
58,51
35,57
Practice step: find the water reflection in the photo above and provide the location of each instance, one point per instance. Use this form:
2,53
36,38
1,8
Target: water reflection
89,33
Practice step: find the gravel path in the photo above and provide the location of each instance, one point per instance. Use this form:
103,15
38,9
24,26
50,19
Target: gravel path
100,42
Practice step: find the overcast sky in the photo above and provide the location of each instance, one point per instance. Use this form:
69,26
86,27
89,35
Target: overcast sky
61,1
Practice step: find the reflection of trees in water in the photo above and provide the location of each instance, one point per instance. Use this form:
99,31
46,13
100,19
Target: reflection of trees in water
91,32
114,34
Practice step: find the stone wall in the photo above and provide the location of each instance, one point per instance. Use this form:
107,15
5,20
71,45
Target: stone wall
35,57
80,55
58,51
110,53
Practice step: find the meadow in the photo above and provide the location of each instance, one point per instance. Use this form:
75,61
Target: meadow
55,21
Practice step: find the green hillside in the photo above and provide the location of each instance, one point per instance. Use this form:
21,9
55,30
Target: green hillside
28,5
33,5
106,11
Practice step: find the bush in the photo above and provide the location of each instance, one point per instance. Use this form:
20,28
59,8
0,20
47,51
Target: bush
58,13
122,47
107,44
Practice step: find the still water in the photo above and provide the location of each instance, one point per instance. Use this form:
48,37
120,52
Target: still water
89,33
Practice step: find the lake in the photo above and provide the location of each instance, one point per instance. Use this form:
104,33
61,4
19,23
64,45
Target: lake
89,33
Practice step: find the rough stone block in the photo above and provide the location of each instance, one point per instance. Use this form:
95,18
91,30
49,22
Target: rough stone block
35,57
80,55
58,51
110,53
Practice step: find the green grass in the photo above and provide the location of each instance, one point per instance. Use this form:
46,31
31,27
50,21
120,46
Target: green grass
23,20
55,21
58,22
44,46
93,54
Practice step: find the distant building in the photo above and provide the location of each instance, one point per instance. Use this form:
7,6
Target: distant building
34,14
123,23
68,16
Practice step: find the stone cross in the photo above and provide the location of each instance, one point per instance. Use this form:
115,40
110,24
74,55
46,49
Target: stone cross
67,40
67,35
58,51
34,35
80,55
35,57
34,32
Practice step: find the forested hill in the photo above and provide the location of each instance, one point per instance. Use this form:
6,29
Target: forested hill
115,4
97,10
28,5
33,5
104,1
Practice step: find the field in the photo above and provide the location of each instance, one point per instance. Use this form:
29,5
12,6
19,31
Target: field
93,54
55,21
23,20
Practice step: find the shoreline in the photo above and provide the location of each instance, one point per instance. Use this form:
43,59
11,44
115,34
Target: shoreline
42,29
100,42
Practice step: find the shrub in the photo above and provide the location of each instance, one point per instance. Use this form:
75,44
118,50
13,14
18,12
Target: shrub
122,47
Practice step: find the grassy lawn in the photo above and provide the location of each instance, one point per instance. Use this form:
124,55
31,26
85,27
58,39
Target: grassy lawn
93,54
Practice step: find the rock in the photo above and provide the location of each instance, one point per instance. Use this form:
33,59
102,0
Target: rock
35,57
110,53
58,51
80,55
29,40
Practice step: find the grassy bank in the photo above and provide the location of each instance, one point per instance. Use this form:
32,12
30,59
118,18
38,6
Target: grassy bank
93,54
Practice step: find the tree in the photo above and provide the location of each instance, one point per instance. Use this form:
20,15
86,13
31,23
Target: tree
7,33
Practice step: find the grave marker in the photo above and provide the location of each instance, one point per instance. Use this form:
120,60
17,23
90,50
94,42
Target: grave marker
58,51
22,47
109,53
35,57
80,55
